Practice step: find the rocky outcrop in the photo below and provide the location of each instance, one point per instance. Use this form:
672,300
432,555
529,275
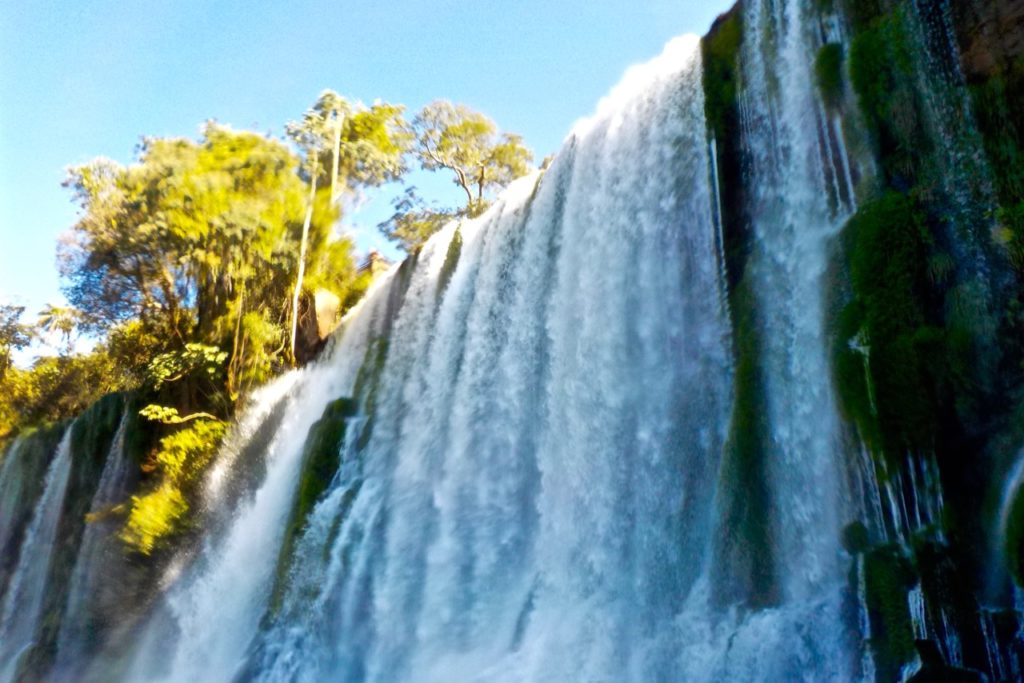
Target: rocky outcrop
990,33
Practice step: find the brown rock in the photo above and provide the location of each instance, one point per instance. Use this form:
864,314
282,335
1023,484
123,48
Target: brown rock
990,33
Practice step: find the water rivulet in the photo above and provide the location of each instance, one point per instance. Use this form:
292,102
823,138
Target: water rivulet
730,390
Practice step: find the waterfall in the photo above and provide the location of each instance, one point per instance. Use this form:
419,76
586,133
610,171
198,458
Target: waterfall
90,586
589,435
532,501
793,224
531,488
211,611
12,485
23,602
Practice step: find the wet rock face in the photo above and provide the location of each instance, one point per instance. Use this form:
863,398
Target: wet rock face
991,35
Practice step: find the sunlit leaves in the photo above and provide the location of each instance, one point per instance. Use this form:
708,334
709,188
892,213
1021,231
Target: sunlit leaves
414,221
454,137
180,459
175,365
374,140
13,334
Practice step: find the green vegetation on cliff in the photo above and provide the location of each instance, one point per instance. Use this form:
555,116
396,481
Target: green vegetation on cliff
745,501
196,269
321,458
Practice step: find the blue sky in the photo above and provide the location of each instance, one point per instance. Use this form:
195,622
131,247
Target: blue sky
88,78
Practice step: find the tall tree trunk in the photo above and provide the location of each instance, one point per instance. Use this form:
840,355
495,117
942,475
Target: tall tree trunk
235,366
338,121
302,259
460,175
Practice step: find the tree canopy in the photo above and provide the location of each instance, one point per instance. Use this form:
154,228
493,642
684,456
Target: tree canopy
482,160
190,268
196,241
14,335
373,142
454,137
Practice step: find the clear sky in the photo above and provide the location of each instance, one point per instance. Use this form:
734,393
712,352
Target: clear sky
87,78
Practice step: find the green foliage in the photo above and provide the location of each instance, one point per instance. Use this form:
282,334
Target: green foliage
454,137
172,240
13,334
1010,233
451,260
881,72
889,576
158,515
188,259
176,365
828,71
154,517
53,389
60,322
321,458
862,13
185,453
170,416
373,141
131,347
179,248
887,245
414,221
721,48
998,102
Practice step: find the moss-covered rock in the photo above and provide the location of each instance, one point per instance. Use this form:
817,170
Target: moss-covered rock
861,13
882,76
367,385
828,72
451,260
935,670
720,51
24,467
92,434
887,247
321,458
889,577
746,536
721,56
855,538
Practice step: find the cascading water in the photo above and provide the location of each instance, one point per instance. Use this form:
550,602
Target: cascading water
520,458
23,602
528,496
793,223
11,485
213,611
90,586
534,492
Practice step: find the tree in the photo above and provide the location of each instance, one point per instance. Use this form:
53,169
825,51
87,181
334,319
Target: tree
190,239
365,146
372,142
414,221
13,335
466,142
60,322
